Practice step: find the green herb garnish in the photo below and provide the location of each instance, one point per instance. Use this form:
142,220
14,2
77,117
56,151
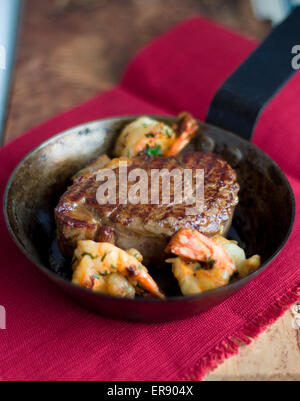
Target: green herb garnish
153,151
104,256
150,135
113,267
90,255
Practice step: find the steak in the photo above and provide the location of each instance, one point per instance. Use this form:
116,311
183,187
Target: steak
145,227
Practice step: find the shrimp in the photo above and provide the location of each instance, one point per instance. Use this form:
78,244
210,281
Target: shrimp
154,138
145,135
202,264
105,268
207,263
186,129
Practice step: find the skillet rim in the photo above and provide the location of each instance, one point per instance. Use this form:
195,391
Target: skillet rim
174,299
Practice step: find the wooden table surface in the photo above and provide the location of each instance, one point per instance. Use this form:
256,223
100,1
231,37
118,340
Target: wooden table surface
71,50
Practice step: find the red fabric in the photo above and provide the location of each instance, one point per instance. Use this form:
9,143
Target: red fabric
50,337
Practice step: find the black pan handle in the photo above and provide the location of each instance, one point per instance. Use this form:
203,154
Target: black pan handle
239,102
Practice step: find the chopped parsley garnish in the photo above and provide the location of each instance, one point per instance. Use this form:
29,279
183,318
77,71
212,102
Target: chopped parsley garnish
153,151
139,285
104,256
150,135
96,276
167,132
113,267
106,273
90,255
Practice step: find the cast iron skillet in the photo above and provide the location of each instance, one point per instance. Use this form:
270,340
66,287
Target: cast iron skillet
263,219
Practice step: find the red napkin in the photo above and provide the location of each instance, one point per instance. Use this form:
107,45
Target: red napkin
50,337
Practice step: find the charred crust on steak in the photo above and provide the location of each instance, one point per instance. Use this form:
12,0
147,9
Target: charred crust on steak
106,234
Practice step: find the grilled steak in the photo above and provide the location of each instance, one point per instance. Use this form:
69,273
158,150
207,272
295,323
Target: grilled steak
146,227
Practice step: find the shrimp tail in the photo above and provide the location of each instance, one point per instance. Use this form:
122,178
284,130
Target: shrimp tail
186,128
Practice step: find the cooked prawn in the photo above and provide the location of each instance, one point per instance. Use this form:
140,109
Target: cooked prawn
148,136
207,263
202,264
186,129
144,135
105,268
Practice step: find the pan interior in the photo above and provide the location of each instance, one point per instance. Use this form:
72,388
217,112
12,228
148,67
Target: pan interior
261,220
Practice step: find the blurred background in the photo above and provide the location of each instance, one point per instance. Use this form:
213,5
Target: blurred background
70,50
